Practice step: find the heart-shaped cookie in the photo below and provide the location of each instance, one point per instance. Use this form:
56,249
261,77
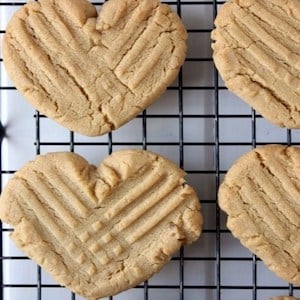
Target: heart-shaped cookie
261,195
256,50
102,230
93,73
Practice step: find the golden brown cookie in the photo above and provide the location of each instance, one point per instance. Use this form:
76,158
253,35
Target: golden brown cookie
283,298
93,73
99,231
256,49
261,196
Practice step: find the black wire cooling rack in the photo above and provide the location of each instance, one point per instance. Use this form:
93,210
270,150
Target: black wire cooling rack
199,125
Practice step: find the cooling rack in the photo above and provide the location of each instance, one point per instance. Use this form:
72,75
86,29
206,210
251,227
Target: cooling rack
199,125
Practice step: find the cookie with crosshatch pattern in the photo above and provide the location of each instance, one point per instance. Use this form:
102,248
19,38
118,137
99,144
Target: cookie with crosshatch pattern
256,48
99,231
261,196
93,72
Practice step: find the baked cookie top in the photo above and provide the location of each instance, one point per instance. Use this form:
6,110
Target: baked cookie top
99,231
284,298
256,49
93,73
261,196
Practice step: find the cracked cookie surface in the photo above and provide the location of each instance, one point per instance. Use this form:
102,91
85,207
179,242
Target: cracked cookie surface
261,196
93,73
256,49
99,231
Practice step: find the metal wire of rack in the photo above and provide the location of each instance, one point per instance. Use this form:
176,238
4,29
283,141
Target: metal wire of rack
199,125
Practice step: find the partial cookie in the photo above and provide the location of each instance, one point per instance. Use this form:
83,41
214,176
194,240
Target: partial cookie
283,298
257,52
261,195
99,231
92,73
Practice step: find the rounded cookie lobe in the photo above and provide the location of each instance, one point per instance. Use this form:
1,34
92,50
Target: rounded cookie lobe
99,231
260,195
93,72
256,48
